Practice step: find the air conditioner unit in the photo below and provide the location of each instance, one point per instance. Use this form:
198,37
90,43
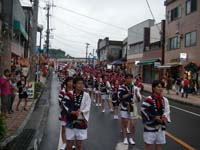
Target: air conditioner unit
180,36
177,32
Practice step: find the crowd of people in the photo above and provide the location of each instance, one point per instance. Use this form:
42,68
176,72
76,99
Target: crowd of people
12,84
121,93
182,86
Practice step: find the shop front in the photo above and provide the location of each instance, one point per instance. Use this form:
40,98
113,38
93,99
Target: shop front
149,68
174,70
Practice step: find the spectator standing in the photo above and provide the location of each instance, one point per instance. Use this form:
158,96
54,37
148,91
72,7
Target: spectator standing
177,85
22,89
169,84
13,90
185,85
5,92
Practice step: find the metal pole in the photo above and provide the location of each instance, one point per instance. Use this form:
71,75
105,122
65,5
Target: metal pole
48,30
93,58
87,44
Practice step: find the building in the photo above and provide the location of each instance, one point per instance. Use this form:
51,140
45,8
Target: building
14,35
136,45
153,53
182,35
1,40
109,51
124,49
28,10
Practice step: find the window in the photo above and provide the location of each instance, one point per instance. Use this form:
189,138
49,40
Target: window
174,43
191,6
190,39
174,14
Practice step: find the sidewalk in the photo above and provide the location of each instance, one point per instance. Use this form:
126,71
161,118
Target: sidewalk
16,121
192,99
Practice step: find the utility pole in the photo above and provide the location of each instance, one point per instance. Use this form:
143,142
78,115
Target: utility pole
163,41
48,29
34,29
33,39
87,44
93,58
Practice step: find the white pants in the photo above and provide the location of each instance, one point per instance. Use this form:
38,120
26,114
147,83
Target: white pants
76,134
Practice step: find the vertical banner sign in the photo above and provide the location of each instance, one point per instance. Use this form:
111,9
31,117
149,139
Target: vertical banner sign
31,90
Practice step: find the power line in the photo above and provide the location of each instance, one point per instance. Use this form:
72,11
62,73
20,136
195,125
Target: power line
152,14
94,34
75,49
81,43
100,21
97,20
63,36
76,28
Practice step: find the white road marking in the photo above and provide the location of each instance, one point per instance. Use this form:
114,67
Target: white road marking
195,114
121,146
186,111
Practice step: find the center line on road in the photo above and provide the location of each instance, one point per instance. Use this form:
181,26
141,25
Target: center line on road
177,140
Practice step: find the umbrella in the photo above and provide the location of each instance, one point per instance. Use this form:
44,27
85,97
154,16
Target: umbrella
192,67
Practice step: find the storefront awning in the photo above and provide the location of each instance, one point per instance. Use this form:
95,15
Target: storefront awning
169,65
164,66
148,62
117,62
18,26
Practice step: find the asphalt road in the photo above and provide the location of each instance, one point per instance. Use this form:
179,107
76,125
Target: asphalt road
104,132
184,126
51,134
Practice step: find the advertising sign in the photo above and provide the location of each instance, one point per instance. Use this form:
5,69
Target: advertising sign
31,90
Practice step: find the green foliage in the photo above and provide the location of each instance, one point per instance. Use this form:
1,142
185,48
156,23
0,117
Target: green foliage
38,87
2,127
56,53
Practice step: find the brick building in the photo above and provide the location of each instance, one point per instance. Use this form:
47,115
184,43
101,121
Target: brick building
182,35
109,50
14,33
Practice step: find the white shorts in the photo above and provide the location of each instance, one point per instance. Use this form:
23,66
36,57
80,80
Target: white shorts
76,134
104,96
154,137
89,89
126,115
96,92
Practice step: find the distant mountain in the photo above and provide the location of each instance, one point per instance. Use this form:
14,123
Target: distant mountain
58,53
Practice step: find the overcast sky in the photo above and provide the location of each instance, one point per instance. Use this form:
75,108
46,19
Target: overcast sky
70,31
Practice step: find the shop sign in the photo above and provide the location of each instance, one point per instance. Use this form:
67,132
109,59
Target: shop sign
183,56
31,90
136,62
25,71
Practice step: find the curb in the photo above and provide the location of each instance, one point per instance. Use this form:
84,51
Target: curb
179,101
20,129
37,139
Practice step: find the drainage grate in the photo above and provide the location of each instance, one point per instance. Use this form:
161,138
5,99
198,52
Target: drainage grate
21,142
